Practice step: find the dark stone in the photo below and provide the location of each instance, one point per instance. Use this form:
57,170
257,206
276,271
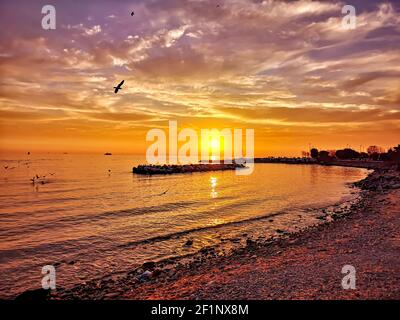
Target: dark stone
145,276
156,272
204,250
189,242
34,295
149,265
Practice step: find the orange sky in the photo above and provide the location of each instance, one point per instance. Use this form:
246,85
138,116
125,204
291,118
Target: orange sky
288,70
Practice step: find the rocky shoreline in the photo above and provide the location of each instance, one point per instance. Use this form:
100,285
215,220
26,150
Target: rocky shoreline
202,272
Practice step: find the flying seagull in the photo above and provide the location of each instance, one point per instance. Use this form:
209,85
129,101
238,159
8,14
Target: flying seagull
119,86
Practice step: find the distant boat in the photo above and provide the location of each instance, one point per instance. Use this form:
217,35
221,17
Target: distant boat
108,154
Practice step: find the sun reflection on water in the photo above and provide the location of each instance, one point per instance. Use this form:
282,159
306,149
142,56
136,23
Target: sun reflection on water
213,183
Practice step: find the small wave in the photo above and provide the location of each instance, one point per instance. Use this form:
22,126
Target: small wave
193,230
63,221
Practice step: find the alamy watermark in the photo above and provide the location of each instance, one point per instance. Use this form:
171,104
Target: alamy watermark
204,150
49,20
349,280
49,279
349,20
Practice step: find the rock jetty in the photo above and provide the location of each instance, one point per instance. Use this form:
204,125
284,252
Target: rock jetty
171,169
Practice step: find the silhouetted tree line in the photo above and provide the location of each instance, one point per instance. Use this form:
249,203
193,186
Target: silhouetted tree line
373,152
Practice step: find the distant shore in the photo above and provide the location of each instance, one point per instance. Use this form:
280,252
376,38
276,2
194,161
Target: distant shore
367,164
205,167
302,265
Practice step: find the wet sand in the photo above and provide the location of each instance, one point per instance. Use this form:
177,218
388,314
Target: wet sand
302,265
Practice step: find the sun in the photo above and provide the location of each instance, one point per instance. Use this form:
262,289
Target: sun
211,145
215,143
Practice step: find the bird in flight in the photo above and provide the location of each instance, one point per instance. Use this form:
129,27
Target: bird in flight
119,86
132,13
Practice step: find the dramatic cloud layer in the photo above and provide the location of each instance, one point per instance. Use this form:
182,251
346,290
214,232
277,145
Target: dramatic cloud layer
288,69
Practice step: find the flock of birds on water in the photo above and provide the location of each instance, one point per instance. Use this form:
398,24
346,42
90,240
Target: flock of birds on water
36,178
41,179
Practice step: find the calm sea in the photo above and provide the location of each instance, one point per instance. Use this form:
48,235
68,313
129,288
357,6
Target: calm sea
93,217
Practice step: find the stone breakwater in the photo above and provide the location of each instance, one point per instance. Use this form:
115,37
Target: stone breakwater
171,169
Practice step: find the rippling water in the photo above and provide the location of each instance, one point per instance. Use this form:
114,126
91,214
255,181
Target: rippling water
94,217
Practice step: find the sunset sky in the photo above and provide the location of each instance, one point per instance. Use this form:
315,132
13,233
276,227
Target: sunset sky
288,70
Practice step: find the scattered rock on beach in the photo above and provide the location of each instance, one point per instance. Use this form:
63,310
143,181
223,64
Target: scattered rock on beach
189,243
207,250
329,218
250,243
171,273
145,275
156,272
139,271
149,265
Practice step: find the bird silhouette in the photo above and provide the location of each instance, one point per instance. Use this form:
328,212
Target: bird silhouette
132,13
119,86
